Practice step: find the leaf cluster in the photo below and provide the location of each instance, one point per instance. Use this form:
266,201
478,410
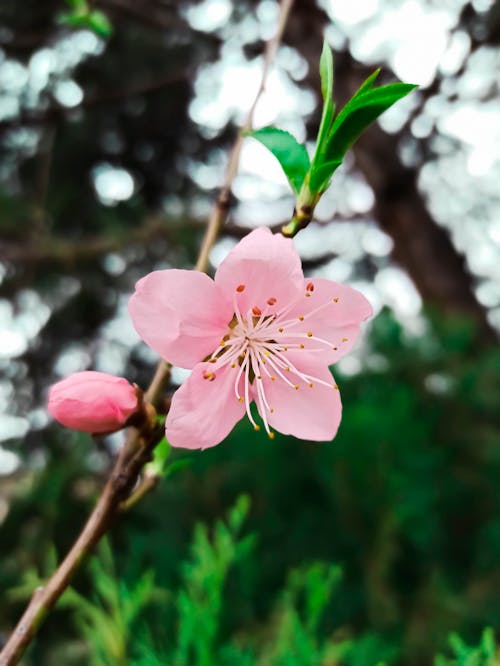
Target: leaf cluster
309,179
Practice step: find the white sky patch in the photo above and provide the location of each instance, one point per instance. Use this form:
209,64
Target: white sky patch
209,15
112,184
349,12
179,375
9,462
68,93
227,89
220,251
410,35
398,291
12,427
74,358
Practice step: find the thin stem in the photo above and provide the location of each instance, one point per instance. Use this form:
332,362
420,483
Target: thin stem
118,493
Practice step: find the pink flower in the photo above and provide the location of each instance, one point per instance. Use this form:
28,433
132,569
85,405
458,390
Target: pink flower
258,332
93,402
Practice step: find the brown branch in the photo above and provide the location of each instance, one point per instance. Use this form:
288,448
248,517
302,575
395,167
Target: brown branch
140,443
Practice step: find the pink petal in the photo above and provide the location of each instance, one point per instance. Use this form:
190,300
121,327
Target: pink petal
204,412
340,310
307,413
350,308
181,314
263,271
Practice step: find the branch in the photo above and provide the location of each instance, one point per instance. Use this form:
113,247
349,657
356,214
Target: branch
140,443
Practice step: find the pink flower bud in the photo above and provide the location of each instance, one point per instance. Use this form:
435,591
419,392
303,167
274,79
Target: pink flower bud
93,402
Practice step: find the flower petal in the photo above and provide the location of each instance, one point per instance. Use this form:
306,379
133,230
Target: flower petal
307,413
204,411
181,314
263,271
331,312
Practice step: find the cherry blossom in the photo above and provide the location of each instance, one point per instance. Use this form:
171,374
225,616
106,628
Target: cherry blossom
93,401
258,332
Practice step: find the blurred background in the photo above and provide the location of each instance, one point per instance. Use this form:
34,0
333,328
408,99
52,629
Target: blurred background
116,117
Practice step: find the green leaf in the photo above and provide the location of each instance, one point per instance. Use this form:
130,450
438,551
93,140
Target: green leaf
321,175
160,456
100,24
288,151
367,84
326,73
362,110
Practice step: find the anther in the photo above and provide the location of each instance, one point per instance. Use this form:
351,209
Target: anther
302,346
256,311
310,286
307,294
272,378
233,365
240,288
335,348
310,384
309,335
301,318
344,339
213,360
287,368
336,300
209,375
280,330
296,387
271,301
256,428
259,377
241,399
271,409
270,435
335,386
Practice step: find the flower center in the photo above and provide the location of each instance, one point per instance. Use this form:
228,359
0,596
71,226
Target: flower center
256,348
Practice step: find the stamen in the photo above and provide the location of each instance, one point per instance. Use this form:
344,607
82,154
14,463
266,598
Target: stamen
240,288
310,286
336,300
209,375
271,301
256,311
301,318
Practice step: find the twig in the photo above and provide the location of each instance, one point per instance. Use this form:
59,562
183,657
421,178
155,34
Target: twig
140,443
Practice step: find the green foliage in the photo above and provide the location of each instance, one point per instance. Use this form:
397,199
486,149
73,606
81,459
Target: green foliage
161,454
362,110
405,500
108,619
484,654
291,155
309,180
337,135
326,74
199,604
81,16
